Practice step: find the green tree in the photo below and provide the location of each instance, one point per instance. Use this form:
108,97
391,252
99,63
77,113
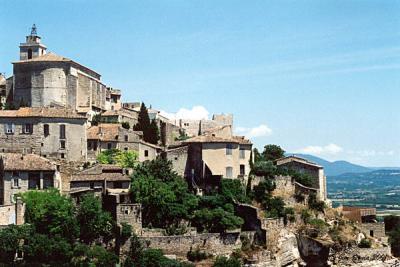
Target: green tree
51,213
164,195
125,159
94,222
272,152
222,261
154,133
144,123
85,255
266,169
11,239
256,155
233,190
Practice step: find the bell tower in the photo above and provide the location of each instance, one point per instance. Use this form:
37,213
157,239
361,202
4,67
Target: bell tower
32,48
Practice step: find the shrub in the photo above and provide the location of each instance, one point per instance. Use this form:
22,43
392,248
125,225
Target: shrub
196,255
365,243
315,204
305,215
227,262
126,230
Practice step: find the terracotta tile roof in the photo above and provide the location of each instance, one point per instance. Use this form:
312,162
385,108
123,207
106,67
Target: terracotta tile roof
122,112
101,172
292,158
215,139
45,58
52,57
104,132
27,162
41,112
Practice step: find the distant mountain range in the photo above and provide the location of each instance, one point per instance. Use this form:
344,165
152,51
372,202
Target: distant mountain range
337,167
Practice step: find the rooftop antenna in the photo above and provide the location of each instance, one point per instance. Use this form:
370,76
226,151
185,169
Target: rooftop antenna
34,30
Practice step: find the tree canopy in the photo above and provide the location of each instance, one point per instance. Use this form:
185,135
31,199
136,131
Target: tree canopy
149,128
272,152
125,159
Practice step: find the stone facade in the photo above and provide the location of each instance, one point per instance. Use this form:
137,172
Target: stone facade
374,230
40,131
12,213
213,243
109,136
179,158
304,166
20,173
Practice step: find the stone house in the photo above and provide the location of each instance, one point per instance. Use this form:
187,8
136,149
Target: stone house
304,166
55,133
100,178
365,217
110,135
42,79
115,99
22,172
200,127
120,116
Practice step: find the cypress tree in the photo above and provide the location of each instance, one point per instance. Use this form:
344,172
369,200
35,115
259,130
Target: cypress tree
143,122
154,133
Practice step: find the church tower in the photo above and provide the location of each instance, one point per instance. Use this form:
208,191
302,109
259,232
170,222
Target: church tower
32,48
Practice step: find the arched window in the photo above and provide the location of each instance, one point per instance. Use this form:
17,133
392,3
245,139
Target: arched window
29,53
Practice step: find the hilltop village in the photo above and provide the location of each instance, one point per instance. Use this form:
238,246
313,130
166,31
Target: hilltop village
89,180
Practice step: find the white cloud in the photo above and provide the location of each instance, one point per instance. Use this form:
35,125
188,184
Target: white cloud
258,131
195,113
329,149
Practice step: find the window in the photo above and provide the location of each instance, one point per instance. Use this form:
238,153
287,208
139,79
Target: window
62,144
242,169
46,130
228,149
15,182
62,131
27,128
126,138
89,145
371,233
10,128
228,172
62,155
34,180
242,153
146,153
109,145
125,148
29,53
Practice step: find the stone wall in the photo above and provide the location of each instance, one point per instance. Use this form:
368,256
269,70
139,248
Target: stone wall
47,146
179,158
12,213
355,255
376,230
212,243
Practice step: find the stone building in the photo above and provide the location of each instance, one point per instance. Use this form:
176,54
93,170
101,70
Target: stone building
55,133
365,217
199,127
22,172
100,178
110,135
120,116
304,166
42,79
203,160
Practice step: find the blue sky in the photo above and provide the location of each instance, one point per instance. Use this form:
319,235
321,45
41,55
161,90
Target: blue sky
312,76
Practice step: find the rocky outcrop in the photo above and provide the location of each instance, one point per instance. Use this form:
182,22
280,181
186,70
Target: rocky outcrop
314,252
287,250
355,256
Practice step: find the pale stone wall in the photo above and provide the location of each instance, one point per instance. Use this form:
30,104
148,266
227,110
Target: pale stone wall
47,146
214,155
179,158
212,243
47,179
375,230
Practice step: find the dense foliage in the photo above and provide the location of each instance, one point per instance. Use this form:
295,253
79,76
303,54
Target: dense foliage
272,152
168,203
125,159
227,262
58,233
392,226
140,257
149,128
